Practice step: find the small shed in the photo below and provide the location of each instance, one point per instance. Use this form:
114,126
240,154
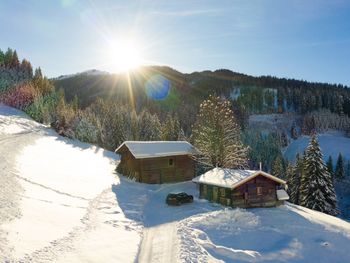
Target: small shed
157,162
241,188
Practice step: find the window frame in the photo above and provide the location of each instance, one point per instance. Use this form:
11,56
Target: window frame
259,190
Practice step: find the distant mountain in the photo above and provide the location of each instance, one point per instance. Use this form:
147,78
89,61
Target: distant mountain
264,94
91,72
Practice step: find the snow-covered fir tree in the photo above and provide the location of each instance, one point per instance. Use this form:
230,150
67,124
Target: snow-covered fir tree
347,170
317,189
291,176
294,173
277,168
217,135
330,165
339,168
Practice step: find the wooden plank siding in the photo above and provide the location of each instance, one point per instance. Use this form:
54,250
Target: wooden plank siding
157,170
246,195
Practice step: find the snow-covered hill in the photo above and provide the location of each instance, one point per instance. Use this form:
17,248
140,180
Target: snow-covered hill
61,201
331,143
91,72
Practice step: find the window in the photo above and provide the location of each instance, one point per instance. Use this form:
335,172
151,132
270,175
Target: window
259,190
171,162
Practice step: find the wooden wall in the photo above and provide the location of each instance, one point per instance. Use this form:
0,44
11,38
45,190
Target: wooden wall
159,170
128,165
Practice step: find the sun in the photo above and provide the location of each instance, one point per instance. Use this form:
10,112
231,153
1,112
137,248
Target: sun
124,56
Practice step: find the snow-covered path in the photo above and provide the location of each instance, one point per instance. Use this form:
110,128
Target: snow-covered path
160,244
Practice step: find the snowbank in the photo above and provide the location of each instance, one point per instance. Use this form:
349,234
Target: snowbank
287,233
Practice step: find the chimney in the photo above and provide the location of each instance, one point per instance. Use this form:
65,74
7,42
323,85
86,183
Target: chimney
260,166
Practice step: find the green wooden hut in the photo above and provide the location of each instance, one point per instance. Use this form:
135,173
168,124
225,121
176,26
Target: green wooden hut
157,162
241,188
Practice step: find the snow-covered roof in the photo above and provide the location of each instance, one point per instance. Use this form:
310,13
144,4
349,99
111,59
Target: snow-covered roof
231,178
151,149
282,195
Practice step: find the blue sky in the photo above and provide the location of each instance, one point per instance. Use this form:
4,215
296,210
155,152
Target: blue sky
297,39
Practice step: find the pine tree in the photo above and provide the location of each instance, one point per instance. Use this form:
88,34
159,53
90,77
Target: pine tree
27,68
217,135
149,126
347,170
15,61
330,165
38,74
277,167
317,189
171,128
2,58
294,173
293,187
339,168
8,57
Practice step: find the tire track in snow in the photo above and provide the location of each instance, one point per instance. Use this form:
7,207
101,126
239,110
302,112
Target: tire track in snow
49,188
159,244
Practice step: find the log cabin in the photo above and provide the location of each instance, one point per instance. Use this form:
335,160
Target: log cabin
241,188
157,162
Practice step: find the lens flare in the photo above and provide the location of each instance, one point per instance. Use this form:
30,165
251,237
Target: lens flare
158,87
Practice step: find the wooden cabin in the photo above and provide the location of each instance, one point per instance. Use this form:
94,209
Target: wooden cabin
157,162
241,188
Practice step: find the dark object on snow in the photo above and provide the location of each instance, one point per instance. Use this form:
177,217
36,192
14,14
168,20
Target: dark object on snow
178,198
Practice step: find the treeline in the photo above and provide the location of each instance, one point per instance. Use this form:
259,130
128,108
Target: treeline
248,95
12,71
323,120
108,124
19,87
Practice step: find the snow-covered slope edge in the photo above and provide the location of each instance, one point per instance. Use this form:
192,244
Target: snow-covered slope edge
287,233
59,199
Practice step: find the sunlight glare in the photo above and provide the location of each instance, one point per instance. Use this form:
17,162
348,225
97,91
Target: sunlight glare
124,56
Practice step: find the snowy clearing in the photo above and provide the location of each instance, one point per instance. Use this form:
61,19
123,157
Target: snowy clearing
61,201
331,143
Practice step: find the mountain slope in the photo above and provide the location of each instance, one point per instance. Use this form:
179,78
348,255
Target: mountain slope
65,204
264,94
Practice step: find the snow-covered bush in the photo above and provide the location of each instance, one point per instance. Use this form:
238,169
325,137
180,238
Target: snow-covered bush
86,131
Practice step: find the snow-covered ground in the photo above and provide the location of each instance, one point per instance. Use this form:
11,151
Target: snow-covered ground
331,143
61,201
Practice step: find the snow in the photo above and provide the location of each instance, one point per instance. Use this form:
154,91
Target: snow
223,177
231,178
286,233
331,143
282,195
150,149
61,201
59,198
